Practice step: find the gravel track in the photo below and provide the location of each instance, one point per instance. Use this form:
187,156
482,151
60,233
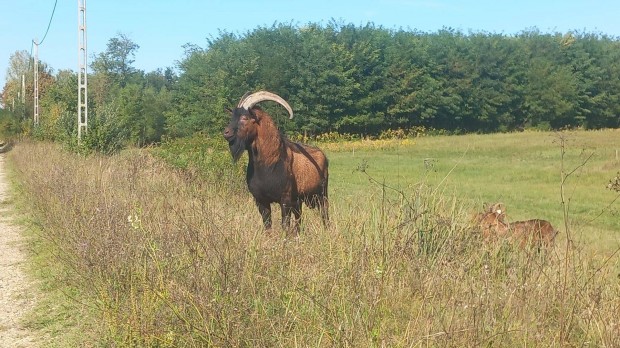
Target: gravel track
17,296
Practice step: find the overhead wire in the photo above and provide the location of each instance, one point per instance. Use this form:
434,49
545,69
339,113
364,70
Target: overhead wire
49,24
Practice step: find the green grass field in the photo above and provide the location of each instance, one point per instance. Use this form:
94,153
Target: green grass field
523,170
168,250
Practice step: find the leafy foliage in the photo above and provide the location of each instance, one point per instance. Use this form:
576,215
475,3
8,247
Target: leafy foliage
206,157
367,79
105,133
343,78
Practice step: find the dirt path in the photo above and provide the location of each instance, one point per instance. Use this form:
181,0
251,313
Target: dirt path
16,288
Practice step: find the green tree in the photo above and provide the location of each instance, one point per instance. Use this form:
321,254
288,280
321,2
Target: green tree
550,91
365,79
20,65
116,62
211,79
324,84
367,67
58,120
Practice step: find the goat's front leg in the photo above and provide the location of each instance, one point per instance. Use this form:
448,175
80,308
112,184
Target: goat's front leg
265,213
289,209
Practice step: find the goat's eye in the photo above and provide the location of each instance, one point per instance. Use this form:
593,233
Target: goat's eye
244,118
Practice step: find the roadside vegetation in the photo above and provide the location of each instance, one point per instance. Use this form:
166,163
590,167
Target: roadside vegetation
144,233
164,246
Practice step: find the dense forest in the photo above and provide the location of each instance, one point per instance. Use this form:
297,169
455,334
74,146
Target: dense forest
338,78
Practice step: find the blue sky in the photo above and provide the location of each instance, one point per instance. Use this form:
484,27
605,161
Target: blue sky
161,28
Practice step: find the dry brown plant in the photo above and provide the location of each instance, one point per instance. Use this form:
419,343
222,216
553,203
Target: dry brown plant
170,259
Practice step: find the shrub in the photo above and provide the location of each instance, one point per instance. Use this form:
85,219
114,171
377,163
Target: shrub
207,157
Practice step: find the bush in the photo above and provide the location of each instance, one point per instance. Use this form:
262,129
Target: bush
207,157
104,135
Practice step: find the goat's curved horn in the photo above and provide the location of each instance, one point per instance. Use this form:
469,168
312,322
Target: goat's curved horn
243,98
254,98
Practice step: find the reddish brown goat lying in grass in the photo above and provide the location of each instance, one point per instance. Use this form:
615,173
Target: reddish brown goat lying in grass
536,232
279,170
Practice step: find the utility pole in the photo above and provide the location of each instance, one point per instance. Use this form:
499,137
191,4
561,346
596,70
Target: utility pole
23,89
36,83
23,98
82,73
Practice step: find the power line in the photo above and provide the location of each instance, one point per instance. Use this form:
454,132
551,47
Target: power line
49,23
36,66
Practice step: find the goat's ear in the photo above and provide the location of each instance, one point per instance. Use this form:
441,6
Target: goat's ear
252,114
229,110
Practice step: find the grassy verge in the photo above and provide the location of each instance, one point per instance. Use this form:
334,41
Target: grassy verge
168,257
60,317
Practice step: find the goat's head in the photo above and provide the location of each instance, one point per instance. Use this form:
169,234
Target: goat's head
499,209
242,129
492,224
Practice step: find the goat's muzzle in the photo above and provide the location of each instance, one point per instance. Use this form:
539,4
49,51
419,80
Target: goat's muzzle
229,135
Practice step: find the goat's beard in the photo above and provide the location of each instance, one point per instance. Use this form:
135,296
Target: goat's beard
236,146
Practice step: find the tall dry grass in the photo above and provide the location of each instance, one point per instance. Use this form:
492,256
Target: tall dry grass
169,258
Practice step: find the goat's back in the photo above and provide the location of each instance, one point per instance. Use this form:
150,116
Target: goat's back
309,167
535,231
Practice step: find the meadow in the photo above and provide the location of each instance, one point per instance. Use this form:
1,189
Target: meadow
163,247
522,170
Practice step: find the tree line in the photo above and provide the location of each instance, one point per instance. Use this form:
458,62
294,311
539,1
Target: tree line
338,78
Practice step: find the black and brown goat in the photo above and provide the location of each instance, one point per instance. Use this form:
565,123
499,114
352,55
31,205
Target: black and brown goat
279,170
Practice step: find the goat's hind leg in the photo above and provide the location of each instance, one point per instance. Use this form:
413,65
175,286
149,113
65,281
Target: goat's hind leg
323,206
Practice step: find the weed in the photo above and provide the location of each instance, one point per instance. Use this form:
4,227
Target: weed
170,256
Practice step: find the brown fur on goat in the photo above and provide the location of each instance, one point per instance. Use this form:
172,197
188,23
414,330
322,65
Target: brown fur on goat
279,171
535,232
